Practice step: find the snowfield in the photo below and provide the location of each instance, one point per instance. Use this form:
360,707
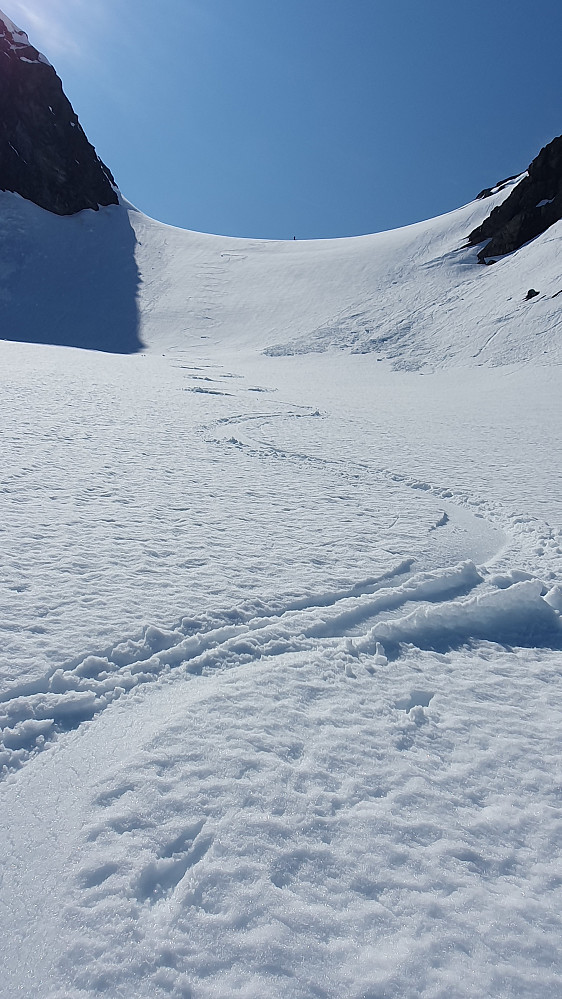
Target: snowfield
280,611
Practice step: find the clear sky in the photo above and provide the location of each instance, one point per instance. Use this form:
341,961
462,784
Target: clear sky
305,117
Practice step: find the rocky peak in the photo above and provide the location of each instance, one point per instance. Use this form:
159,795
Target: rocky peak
534,204
44,154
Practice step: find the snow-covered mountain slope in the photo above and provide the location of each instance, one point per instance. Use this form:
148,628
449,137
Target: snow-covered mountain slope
414,295
114,280
280,612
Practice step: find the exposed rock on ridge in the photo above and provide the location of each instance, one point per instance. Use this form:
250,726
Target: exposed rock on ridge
532,207
44,154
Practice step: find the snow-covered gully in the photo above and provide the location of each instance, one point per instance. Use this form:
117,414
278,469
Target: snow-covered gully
280,605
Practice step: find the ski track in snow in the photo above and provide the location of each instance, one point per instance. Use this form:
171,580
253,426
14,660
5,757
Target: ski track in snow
440,609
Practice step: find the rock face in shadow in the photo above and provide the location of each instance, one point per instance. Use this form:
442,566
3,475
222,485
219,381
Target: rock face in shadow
44,154
532,207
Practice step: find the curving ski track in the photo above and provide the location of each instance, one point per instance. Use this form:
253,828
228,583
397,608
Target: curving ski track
437,609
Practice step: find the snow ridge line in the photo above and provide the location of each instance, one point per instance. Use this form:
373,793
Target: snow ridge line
450,608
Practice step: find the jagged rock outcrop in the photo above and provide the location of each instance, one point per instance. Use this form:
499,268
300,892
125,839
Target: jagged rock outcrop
532,207
488,191
44,154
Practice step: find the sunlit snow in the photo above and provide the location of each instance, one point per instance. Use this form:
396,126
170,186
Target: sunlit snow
280,612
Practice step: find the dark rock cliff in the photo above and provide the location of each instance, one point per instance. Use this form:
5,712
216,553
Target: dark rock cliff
44,154
534,204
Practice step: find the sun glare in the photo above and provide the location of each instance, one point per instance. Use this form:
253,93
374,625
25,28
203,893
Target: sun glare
53,26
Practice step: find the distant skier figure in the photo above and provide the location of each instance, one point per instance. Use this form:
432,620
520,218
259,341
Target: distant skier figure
294,237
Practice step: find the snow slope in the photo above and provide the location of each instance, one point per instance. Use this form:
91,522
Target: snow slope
116,280
280,613
414,296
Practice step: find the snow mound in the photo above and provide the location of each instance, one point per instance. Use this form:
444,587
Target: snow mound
518,615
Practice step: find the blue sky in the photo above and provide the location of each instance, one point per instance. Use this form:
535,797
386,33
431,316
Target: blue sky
306,117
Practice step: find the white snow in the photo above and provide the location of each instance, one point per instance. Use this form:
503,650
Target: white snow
280,613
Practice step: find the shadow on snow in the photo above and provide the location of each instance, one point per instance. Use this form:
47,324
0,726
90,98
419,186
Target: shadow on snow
68,281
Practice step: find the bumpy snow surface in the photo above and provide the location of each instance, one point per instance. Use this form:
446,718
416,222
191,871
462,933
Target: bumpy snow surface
280,615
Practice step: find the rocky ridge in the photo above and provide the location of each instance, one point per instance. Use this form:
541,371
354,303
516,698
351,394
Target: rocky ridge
534,205
44,154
